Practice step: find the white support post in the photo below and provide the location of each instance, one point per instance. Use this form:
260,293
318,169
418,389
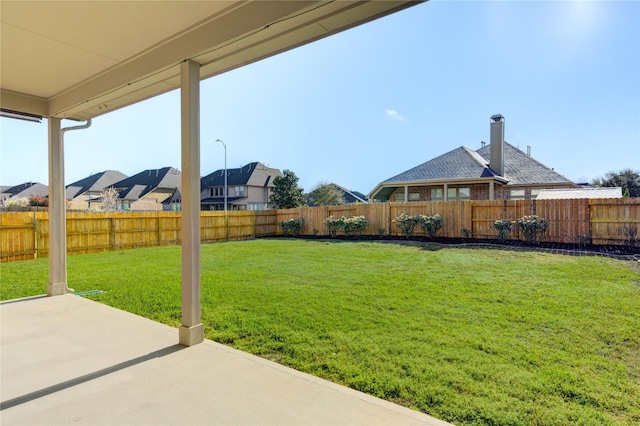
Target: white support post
491,191
406,193
445,193
57,215
191,331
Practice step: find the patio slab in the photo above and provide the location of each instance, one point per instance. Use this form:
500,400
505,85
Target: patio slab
69,360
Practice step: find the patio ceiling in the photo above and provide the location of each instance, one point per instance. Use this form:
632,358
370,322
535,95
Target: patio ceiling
79,60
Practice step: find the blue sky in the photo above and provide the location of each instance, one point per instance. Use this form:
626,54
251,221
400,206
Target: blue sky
372,102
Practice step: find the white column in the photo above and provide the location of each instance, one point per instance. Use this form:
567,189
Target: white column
491,191
191,331
57,214
445,192
406,193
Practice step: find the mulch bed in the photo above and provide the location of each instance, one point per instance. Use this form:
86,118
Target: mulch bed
613,251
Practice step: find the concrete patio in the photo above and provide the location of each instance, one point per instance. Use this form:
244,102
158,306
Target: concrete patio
69,360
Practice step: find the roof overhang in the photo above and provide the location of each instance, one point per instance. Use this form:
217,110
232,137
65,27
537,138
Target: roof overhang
79,60
387,188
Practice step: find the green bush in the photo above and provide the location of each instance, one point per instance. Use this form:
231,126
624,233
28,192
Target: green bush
431,224
292,226
354,225
333,225
503,229
407,224
531,227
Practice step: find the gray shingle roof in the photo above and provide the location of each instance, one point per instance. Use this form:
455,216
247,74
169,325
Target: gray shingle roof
522,169
94,183
137,186
235,176
464,163
461,163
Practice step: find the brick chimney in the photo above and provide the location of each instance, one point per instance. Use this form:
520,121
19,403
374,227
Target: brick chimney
496,144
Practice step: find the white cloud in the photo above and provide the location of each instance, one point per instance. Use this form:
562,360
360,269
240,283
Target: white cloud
392,113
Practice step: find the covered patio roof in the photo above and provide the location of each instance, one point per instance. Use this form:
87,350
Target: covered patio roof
79,60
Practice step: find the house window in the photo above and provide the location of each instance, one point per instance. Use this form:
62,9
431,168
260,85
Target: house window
459,194
399,196
254,206
239,191
414,196
517,194
436,194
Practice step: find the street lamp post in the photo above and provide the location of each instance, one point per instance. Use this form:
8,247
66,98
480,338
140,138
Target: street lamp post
226,219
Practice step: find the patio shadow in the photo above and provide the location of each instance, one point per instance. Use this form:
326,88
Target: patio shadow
88,377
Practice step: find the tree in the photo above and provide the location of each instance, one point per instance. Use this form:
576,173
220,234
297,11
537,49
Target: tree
286,194
326,194
627,179
109,197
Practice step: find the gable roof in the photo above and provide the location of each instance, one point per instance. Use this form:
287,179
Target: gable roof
94,183
350,196
26,189
137,186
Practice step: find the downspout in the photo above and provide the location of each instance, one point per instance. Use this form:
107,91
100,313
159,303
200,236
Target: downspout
63,206
80,127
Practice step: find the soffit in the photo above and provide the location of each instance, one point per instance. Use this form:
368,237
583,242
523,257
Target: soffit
82,59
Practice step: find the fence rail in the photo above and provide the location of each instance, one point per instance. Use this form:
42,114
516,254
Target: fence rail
24,235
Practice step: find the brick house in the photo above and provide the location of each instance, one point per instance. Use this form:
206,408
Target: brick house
498,171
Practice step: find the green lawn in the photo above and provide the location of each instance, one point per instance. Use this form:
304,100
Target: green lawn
471,336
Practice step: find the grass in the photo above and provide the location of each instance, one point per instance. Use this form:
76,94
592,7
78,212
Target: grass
470,336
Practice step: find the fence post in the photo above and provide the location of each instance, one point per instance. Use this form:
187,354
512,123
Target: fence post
159,231
112,233
35,236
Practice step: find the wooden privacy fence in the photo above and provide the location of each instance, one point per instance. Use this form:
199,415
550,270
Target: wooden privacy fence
24,235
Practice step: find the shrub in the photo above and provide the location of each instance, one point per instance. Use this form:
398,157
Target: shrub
354,225
333,225
407,224
466,233
531,227
431,224
292,226
503,229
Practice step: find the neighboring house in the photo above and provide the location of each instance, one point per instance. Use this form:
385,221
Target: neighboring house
24,190
86,193
498,171
348,196
149,190
248,188
588,192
